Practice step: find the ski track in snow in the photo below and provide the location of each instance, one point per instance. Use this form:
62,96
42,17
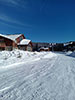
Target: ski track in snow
42,79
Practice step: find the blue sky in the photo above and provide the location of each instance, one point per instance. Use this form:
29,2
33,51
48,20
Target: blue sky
39,20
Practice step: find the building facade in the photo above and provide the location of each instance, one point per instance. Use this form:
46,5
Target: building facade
11,41
26,45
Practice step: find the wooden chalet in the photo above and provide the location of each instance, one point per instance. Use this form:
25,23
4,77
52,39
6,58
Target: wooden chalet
25,44
11,41
69,46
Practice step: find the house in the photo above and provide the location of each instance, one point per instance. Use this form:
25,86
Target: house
58,47
37,45
16,37
25,44
6,43
11,41
69,46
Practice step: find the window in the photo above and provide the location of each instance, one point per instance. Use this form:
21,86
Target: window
21,38
1,40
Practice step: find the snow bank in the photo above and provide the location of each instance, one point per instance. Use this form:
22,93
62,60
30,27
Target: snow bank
12,57
16,57
70,53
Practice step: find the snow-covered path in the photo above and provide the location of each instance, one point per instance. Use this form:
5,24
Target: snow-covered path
45,78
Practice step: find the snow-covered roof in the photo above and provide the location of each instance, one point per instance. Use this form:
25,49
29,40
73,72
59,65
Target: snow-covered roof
14,36
6,36
24,42
65,44
44,48
50,46
11,37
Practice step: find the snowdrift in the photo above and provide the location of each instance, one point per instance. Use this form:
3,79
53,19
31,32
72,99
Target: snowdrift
16,57
70,53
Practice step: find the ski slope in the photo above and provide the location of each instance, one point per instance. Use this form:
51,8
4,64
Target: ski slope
37,76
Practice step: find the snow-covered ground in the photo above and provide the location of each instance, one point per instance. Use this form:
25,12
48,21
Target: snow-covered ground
71,54
37,76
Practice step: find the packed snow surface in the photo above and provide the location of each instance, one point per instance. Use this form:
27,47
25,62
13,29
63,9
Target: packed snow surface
36,76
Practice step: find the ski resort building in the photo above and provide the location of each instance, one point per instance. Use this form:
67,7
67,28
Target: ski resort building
69,46
11,41
25,44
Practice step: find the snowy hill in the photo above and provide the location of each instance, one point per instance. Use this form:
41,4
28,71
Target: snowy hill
36,76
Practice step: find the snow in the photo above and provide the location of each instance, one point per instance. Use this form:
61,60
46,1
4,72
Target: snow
25,42
36,76
50,55
11,37
44,48
6,36
7,58
14,36
66,44
70,53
